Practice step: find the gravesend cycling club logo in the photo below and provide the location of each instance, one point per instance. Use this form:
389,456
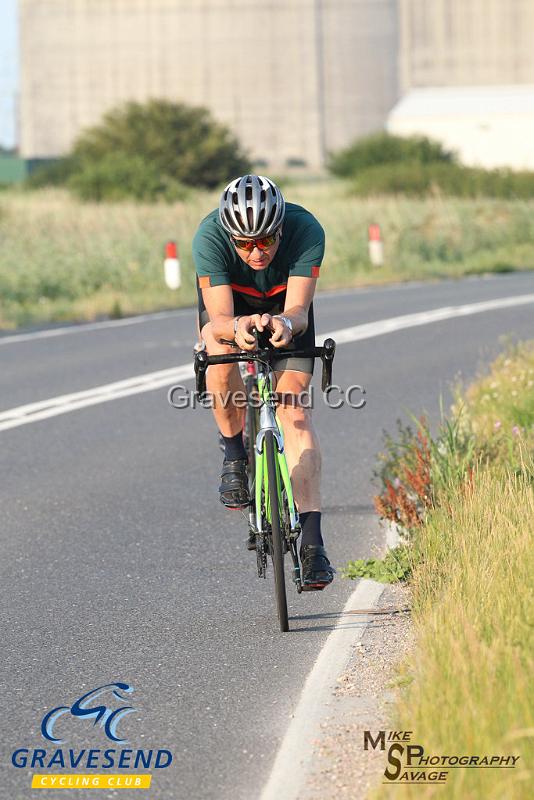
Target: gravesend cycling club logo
410,763
81,708
103,708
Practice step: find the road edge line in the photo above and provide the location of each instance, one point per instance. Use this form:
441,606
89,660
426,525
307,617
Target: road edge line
294,756
16,416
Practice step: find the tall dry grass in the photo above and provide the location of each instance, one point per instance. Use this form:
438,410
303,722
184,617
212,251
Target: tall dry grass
472,691
61,259
471,674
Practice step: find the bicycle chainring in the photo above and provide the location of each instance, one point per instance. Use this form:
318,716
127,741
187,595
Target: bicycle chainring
261,555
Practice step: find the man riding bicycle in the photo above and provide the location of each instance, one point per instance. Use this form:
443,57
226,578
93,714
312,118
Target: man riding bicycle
257,260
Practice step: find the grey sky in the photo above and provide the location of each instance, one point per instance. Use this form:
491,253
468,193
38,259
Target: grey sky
8,71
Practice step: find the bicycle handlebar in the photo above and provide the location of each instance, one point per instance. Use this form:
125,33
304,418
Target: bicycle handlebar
325,353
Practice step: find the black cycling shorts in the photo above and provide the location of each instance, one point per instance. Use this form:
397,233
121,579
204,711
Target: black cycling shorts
245,305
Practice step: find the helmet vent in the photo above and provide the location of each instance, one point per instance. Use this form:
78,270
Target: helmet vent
271,216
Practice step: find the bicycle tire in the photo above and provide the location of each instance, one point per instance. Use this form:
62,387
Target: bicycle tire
277,553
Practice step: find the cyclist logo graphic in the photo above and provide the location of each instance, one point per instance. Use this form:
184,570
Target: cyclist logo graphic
106,716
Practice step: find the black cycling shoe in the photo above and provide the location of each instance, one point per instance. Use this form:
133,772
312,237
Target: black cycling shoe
316,569
234,484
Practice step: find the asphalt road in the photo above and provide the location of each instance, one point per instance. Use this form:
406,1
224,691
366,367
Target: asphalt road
119,564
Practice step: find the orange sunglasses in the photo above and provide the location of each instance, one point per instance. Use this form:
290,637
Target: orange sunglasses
250,244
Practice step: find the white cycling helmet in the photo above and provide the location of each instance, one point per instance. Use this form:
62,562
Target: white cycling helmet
251,206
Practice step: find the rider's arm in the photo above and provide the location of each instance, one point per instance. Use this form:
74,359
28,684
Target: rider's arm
308,257
219,304
299,296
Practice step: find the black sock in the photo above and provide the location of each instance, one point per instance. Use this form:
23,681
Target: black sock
234,448
311,528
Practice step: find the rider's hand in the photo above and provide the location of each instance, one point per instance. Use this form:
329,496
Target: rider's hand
282,335
243,335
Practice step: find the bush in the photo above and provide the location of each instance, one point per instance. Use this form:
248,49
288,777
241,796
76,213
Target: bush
119,177
383,148
150,151
417,179
52,173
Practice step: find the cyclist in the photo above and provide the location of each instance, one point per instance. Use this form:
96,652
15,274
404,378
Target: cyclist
257,260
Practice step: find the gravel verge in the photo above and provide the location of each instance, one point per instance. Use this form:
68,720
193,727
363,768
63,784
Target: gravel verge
362,701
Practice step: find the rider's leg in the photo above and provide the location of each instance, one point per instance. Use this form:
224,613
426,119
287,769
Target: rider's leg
301,443
222,382
304,462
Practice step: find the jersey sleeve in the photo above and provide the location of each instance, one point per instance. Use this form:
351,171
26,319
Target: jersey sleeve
211,259
309,252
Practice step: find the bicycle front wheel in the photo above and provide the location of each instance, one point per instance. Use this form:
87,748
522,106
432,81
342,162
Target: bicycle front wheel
277,551
251,428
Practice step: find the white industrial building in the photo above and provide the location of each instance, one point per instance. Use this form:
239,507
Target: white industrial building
487,126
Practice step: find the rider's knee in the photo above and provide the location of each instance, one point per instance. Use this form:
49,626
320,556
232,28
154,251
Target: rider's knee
291,412
294,399
213,346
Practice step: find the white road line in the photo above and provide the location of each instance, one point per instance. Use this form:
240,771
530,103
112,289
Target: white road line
383,326
85,327
157,315
93,326
44,409
295,753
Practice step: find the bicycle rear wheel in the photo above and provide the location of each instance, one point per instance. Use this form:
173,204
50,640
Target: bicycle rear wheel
277,553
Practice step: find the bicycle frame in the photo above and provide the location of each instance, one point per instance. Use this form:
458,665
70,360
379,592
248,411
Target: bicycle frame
269,421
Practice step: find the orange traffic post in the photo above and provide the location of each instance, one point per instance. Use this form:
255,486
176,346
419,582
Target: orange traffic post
171,266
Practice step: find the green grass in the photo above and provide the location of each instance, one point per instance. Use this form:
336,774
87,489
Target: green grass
470,677
396,566
499,407
62,259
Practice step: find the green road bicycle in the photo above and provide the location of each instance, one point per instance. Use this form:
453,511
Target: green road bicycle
272,516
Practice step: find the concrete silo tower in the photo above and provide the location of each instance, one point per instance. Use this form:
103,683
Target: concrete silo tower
466,42
293,80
